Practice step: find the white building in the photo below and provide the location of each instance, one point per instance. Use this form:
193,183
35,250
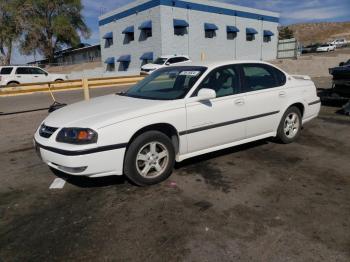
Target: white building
204,30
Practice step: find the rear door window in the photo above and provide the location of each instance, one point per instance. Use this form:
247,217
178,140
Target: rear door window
23,71
259,77
6,70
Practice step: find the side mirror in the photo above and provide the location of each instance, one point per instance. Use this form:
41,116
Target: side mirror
206,94
167,63
342,64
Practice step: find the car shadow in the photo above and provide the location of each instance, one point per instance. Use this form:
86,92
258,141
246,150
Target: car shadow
223,152
87,182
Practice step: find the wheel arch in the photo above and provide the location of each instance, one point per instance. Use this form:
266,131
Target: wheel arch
165,128
13,82
300,106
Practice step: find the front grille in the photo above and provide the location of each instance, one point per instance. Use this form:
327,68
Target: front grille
47,131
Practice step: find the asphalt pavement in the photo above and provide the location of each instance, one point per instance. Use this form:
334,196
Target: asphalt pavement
41,100
259,202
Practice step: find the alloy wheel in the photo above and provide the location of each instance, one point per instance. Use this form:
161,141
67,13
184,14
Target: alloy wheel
152,159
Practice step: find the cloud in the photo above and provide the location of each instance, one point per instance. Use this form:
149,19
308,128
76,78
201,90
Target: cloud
322,13
296,11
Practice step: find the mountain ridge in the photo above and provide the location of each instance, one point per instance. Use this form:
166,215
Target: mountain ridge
308,33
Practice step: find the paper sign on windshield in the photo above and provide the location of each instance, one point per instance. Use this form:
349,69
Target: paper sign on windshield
189,73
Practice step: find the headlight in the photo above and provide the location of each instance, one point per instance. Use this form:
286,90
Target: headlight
78,136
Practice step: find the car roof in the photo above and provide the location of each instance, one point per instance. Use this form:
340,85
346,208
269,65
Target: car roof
171,56
213,64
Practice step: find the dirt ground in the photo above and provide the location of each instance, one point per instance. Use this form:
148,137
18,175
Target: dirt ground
258,202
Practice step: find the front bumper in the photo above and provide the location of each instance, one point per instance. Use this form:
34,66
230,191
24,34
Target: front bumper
94,163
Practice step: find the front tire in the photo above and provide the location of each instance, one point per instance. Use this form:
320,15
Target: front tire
149,159
290,126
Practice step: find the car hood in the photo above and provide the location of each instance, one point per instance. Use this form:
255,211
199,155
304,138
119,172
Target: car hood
103,111
151,66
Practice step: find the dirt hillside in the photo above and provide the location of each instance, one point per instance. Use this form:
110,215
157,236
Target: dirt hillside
321,32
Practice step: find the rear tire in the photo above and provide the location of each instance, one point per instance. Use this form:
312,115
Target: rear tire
149,159
290,126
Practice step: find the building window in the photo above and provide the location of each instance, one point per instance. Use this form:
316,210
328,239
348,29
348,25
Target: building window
110,67
231,35
180,27
147,58
108,39
124,62
210,30
268,36
267,39
250,37
146,30
180,31
251,32
129,37
210,34
124,66
129,34
109,42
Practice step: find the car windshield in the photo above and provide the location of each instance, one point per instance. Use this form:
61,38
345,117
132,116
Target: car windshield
160,61
324,45
169,83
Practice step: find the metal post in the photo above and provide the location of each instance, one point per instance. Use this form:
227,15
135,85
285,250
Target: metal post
85,83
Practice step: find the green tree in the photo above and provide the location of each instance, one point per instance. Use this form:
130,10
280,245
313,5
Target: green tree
10,28
285,33
52,25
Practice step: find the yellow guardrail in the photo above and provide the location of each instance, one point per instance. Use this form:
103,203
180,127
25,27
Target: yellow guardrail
70,84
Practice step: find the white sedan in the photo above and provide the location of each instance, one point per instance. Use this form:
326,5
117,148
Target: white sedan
326,48
174,114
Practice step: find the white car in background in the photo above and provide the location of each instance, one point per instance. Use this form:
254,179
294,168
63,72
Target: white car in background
15,75
339,43
176,113
326,48
164,61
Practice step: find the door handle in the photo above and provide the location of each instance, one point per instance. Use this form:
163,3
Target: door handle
282,94
36,76
239,102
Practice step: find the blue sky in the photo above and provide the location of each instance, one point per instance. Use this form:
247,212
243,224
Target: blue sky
292,11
